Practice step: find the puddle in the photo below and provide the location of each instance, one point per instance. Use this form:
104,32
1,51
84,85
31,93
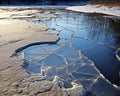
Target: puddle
85,40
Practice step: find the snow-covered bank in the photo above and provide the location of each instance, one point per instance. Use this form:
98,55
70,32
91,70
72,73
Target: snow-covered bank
96,9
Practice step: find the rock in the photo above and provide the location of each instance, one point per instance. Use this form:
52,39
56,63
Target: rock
25,90
76,90
36,78
15,85
40,87
19,90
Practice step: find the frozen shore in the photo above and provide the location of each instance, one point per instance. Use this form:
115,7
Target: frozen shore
115,11
18,30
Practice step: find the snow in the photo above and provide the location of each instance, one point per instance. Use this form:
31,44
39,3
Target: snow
115,11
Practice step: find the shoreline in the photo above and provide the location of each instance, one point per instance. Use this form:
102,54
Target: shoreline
114,11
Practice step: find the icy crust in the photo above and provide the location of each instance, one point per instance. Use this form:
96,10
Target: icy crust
65,64
70,74
70,69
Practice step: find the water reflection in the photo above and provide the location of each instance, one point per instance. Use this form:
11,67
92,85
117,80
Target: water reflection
94,27
104,30
97,36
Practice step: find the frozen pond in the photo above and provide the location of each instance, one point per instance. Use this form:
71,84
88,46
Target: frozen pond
86,48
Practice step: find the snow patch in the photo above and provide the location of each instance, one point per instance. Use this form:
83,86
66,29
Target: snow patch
115,11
